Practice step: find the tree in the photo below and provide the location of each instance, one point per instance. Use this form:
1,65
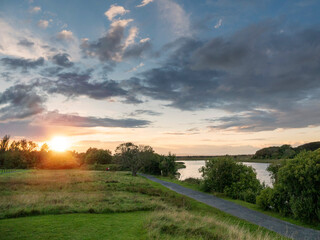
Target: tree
127,156
168,165
100,156
4,145
133,157
236,180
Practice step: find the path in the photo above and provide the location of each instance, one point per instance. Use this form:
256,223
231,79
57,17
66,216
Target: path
284,228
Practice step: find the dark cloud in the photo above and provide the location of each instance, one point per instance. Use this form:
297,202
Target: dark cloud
137,49
51,71
20,102
74,84
62,59
58,119
263,66
108,47
26,43
145,112
263,120
112,46
23,63
6,76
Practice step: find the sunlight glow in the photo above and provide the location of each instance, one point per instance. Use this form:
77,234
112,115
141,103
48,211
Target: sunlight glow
59,144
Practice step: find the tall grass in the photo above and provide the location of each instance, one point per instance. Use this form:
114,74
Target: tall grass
170,215
181,224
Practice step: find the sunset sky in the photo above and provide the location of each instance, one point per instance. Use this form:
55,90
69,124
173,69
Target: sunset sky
204,77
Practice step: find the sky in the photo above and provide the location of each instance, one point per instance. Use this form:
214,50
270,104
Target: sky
207,77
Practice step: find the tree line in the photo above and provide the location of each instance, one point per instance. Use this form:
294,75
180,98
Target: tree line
285,151
25,154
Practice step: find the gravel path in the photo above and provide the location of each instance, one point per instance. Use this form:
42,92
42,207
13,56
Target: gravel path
273,224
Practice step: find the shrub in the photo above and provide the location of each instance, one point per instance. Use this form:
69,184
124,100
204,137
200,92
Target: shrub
191,180
264,200
234,179
296,189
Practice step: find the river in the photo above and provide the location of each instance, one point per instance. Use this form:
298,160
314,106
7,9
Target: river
192,170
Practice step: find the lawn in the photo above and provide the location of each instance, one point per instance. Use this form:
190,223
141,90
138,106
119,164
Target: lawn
75,226
108,205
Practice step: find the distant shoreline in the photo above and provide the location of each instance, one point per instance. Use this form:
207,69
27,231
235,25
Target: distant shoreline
238,158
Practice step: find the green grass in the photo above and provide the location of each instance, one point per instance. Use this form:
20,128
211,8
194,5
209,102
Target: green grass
120,199
76,226
245,204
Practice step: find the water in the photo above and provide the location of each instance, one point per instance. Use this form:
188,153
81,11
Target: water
192,170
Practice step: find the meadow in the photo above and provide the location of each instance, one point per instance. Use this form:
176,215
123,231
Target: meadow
82,204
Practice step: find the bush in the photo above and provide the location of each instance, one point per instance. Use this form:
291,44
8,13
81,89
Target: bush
191,180
296,189
264,200
236,180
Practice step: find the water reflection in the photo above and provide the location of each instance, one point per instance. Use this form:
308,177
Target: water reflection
192,170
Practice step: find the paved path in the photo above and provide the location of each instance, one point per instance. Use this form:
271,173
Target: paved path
273,224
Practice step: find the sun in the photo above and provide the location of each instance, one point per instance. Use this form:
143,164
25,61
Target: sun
59,144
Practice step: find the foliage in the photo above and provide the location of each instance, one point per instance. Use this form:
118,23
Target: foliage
296,189
59,160
195,181
152,166
264,200
97,156
285,151
308,147
132,156
273,169
224,175
168,165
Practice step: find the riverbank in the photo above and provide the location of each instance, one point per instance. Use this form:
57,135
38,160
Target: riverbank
195,186
150,211
238,158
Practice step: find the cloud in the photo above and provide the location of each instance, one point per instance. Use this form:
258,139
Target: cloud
26,43
259,67
219,23
35,9
58,119
144,3
144,112
133,32
114,11
266,120
65,35
136,67
43,24
16,42
15,63
145,40
114,46
175,17
20,102
74,84
62,59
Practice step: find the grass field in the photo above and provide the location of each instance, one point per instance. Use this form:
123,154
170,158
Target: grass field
108,205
